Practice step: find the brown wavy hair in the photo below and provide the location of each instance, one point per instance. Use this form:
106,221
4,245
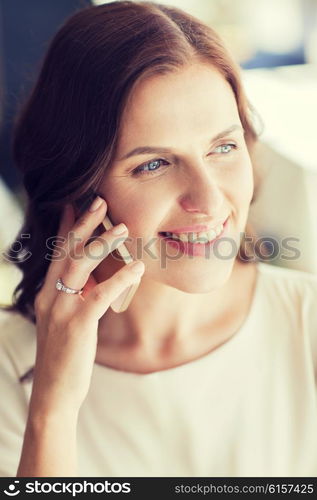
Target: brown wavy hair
66,133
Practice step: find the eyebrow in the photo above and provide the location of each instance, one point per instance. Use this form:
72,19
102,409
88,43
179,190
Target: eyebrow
144,150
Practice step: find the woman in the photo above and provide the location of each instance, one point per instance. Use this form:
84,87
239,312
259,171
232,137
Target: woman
209,372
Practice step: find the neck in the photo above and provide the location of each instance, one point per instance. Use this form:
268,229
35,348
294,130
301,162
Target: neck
161,318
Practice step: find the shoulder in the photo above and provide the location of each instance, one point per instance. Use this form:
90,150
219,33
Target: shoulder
289,299
288,284
285,273
17,343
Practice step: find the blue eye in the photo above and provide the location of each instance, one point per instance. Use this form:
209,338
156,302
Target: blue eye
153,166
148,168
225,148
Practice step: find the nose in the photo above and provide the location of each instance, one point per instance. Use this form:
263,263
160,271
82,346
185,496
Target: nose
201,193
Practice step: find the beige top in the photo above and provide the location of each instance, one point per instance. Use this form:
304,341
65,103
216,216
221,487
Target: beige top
248,408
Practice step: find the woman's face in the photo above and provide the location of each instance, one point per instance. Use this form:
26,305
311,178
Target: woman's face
198,172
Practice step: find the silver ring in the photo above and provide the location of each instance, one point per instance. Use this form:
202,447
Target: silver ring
62,288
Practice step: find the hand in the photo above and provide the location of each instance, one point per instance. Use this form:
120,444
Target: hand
67,324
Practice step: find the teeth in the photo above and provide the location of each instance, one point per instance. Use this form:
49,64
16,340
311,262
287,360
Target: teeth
203,237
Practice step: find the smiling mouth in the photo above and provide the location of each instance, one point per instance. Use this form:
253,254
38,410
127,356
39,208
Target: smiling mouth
167,237
200,241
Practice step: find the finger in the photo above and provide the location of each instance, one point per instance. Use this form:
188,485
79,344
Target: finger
85,226
65,244
102,295
77,272
58,255
78,269
89,285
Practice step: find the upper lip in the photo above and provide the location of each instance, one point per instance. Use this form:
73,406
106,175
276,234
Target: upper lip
198,228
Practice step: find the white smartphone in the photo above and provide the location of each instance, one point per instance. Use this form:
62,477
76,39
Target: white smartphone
123,301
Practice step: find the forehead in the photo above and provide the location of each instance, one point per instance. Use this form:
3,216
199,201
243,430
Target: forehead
194,99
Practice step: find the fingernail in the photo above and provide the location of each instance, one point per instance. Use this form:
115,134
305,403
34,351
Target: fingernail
95,204
137,267
121,228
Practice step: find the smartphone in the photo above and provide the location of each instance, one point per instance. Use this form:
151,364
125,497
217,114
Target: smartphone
123,301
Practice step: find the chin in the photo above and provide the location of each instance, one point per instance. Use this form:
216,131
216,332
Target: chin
205,282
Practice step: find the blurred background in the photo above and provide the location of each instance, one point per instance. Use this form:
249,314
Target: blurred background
275,43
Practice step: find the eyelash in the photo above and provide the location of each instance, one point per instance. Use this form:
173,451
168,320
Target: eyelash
137,171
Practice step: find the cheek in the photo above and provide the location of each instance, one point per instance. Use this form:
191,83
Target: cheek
140,208
140,215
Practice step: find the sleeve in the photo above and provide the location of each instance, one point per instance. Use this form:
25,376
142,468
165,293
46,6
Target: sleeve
13,415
